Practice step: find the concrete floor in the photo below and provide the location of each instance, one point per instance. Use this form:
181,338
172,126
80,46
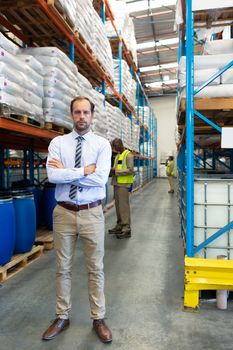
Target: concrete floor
144,290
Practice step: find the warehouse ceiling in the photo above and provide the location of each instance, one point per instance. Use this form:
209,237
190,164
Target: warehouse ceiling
157,44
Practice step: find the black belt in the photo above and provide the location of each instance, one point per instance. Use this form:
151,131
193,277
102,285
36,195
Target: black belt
75,207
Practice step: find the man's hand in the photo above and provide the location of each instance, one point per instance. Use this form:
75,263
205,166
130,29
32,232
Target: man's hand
89,169
55,163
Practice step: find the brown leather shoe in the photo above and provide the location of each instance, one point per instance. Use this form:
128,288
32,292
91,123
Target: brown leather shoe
102,331
56,327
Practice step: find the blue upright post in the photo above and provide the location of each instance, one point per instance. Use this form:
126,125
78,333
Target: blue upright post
189,130
31,166
25,160
7,169
71,52
103,12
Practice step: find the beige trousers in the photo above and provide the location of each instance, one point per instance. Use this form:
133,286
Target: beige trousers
89,226
171,183
121,197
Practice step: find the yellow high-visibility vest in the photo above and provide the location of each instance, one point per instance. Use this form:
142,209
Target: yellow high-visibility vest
120,163
168,172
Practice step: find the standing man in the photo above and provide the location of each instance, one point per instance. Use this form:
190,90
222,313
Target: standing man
170,172
79,164
122,180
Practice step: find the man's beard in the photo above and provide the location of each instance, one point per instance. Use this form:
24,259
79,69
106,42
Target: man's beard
82,128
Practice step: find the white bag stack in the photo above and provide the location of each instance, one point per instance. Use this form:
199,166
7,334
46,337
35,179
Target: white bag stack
206,66
60,84
19,91
99,124
128,83
124,25
84,20
135,137
101,46
114,122
69,9
34,96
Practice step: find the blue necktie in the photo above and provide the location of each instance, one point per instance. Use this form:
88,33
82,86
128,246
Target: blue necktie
78,155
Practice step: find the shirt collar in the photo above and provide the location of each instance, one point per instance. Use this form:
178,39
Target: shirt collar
86,136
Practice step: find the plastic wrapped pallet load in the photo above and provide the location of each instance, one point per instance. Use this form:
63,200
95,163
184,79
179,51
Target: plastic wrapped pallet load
213,199
99,125
83,20
60,84
8,45
216,47
114,122
101,45
20,93
68,7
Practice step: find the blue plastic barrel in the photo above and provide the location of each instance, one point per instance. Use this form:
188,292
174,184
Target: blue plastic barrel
7,228
37,192
25,218
49,203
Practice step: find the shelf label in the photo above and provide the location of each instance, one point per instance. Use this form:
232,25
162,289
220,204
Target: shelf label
227,138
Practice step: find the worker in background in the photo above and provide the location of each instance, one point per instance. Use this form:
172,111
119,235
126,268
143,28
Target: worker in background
79,164
170,172
122,180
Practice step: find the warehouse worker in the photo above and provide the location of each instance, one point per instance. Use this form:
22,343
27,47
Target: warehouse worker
170,172
122,180
79,164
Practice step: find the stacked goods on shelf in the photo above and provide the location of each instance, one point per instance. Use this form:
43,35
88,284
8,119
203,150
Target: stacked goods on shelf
68,7
204,67
101,45
83,20
135,136
128,84
89,24
21,82
99,125
144,114
124,25
60,84
114,118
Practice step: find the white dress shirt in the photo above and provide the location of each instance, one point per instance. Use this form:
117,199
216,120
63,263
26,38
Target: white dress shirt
95,150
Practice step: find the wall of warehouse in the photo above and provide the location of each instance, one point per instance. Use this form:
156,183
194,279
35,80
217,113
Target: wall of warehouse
165,111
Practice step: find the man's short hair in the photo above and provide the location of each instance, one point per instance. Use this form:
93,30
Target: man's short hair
81,98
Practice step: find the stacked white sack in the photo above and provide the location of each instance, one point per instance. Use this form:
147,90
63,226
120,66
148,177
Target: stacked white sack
68,7
135,136
124,25
99,124
34,96
84,20
60,84
19,91
114,122
128,83
216,47
204,67
101,45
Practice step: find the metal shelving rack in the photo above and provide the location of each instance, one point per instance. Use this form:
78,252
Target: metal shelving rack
200,274
149,133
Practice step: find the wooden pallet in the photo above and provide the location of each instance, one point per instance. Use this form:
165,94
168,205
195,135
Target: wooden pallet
59,11
45,238
55,127
19,262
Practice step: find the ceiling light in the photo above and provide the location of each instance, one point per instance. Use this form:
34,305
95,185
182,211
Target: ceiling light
142,5
166,78
162,66
160,83
164,42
